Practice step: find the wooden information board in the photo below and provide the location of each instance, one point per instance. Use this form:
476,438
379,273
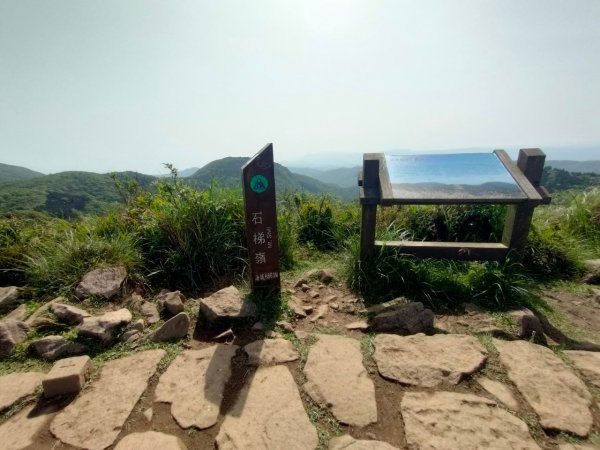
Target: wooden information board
258,181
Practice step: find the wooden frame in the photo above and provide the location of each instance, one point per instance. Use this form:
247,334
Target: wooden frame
376,189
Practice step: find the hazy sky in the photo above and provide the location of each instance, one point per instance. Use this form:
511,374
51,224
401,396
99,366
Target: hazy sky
114,85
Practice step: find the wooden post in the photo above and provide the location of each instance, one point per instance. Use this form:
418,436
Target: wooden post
518,217
258,182
370,197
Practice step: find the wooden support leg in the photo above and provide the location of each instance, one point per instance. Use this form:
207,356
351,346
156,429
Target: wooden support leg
518,218
370,196
367,231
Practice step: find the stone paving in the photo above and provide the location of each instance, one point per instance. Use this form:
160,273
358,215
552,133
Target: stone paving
445,402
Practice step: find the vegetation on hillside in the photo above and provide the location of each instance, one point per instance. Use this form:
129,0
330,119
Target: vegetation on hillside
10,173
174,236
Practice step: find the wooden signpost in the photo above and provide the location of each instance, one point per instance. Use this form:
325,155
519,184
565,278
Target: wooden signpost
258,181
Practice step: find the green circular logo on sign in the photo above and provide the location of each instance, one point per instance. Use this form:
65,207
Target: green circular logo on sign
259,184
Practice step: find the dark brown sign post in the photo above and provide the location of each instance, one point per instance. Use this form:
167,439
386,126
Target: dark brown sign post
258,181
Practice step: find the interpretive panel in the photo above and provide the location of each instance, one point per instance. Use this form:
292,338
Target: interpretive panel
454,177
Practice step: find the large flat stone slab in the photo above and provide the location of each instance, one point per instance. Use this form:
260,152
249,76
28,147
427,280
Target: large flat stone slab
337,380
15,386
428,361
20,431
94,420
588,363
270,351
150,440
558,396
448,420
105,282
500,391
347,442
268,415
194,385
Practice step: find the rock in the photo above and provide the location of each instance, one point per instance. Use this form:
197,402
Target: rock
67,376
494,332
12,333
325,276
150,440
428,361
18,385
296,306
41,311
358,325
592,265
131,336
174,328
530,326
404,319
148,414
270,351
572,446
20,431
558,396
137,325
588,363
46,323
171,301
319,313
347,442
285,326
329,299
227,334
258,326
305,287
313,294
9,296
387,306
125,379
448,420
105,283
54,347
69,314
197,401
226,306
301,334
337,380
20,313
500,391
301,282
334,305
150,312
103,327
268,414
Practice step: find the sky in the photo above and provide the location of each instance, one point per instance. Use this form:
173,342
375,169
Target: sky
131,84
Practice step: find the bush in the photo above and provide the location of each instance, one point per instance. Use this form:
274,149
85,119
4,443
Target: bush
316,225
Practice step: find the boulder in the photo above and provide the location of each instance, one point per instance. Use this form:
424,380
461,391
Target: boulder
500,391
104,327
530,327
360,325
428,361
593,271
105,283
54,347
39,313
174,328
404,319
9,296
387,306
297,307
69,314
12,333
226,306
171,301
588,363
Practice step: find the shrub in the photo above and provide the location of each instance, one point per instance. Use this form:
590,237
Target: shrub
316,224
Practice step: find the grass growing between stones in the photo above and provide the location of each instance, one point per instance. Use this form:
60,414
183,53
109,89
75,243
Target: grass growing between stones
326,424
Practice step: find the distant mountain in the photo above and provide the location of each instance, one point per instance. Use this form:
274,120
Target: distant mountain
561,180
181,173
343,177
15,173
227,172
65,194
575,166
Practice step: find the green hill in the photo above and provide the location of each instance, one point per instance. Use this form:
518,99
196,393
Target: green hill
561,180
575,166
227,172
65,194
15,173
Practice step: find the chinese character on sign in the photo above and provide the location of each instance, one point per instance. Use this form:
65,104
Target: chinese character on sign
260,258
257,218
259,238
269,234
